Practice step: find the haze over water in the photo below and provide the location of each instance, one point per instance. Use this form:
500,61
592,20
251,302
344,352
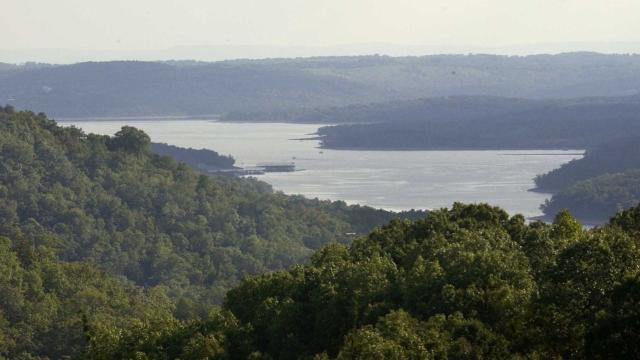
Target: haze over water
394,180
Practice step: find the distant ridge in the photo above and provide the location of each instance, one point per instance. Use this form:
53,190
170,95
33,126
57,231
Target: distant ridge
188,88
227,52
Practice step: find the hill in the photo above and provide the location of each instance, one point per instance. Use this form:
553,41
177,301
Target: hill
596,198
453,108
484,123
613,156
146,89
100,230
281,85
151,218
605,180
466,282
200,159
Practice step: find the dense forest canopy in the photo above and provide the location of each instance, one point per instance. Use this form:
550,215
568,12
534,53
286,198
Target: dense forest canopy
275,85
466,282
100,229
109,251
47,303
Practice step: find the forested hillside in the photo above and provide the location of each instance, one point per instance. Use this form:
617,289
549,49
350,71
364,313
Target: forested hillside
253,88
108,251
7,68
147,88
604,181
483,123
465,283
596,198
614,156
130,88
100,230
46,303
450,108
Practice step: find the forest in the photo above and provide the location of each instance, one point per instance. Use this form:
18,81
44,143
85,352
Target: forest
607,158
596,198
469,282
253,88
480,123
109,251
99,229
203,159
605,180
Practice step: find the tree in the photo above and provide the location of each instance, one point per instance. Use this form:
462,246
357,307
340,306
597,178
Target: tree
130,139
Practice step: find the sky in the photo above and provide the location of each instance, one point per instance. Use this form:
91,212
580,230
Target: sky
111,27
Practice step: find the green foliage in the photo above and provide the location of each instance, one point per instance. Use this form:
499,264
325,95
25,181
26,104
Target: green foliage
129,139
616,333
151,219
197,158
110,252
598,198
580,284
628,220
611,157
47,306
79,208
211,338
399,336
468,282
604,181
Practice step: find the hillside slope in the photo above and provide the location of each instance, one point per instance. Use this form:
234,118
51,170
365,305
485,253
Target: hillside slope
110,201
275,85
146,89
484,123
596,198
605,180
469,282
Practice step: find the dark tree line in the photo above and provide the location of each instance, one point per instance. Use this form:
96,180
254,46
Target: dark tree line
483,123
203,159
605,180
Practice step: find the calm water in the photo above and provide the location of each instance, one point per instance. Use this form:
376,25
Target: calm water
395,180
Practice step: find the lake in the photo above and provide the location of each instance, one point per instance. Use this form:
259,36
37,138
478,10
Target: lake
394,180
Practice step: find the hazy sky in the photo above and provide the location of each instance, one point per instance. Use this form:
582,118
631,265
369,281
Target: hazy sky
154,24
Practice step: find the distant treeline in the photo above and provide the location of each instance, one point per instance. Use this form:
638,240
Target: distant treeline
595,199
605,180
611,157
438,108
484,123
253,88
203,159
